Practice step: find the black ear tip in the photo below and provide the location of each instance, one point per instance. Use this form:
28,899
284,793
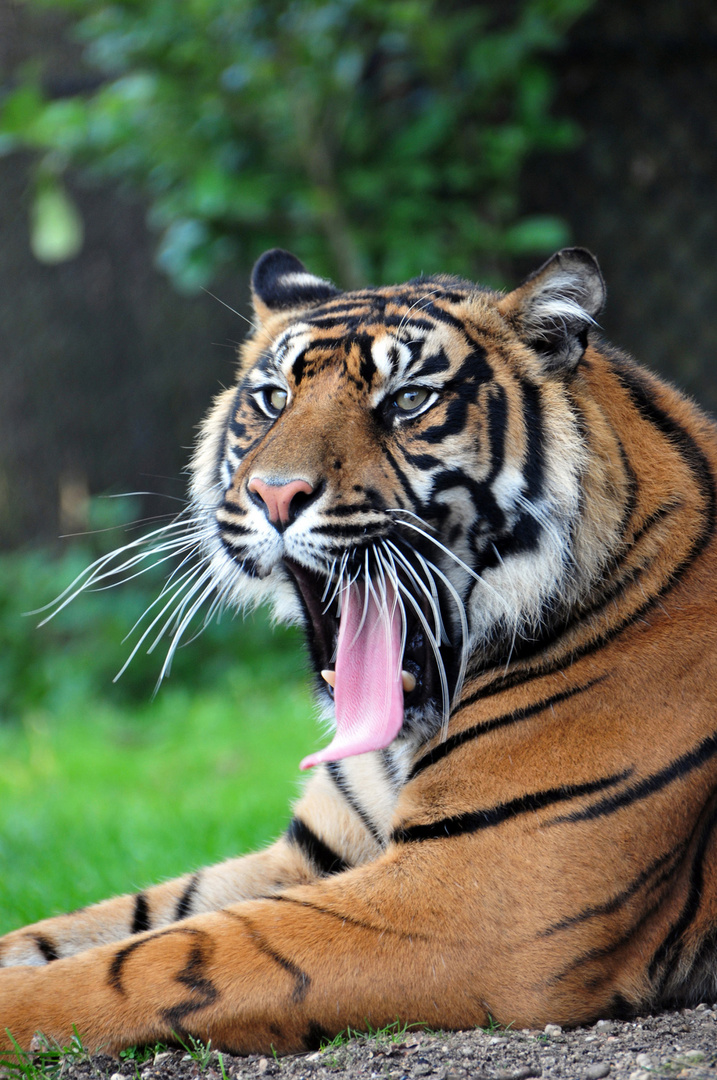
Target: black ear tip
272,265
587,263
281,282
579,255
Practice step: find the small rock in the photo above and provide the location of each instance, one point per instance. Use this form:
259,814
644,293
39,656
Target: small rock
644,1061
117,1076
467,1051
422,1070
596,1071
702,1007
693,1055
553,1029
316,1056
162,1056
521,1073
639,1074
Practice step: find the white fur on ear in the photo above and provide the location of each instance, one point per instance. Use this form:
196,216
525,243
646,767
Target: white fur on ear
556,306
280,282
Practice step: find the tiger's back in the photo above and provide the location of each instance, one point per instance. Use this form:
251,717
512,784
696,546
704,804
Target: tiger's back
498,534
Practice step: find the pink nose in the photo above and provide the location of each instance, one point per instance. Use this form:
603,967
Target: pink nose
277,498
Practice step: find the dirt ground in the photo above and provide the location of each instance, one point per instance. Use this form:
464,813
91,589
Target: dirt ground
672,1045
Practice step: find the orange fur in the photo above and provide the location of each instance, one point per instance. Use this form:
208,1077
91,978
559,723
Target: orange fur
553,855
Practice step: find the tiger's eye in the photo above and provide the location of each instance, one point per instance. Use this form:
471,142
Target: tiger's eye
411,398
277,399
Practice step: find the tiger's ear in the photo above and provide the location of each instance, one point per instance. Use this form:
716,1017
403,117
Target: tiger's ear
280,282
555,307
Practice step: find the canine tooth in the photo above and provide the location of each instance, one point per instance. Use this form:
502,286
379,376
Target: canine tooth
409,681
329,677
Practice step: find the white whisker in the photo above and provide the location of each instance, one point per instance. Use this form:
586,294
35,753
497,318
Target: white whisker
455,558
464,626
182,584
166,666
423,301
387,566
92,573
329,579
253,325
435,646
429,590
338,586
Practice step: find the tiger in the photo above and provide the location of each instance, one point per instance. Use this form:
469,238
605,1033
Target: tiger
498,534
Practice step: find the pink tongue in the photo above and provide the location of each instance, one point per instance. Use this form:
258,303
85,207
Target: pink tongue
369,689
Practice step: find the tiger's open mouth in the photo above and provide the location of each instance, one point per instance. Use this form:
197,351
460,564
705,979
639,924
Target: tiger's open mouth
381,662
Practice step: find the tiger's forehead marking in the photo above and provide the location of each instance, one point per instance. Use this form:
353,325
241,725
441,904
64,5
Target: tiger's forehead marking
375,354
290,346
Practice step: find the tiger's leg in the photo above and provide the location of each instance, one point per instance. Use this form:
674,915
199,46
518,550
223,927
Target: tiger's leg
432,931
278,972
329,832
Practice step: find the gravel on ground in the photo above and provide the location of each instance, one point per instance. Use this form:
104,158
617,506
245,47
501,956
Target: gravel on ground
676,1045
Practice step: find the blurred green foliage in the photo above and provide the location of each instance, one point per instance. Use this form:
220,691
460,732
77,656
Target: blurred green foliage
132,787
70,662
376,138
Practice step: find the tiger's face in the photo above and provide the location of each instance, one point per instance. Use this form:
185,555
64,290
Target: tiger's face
399,469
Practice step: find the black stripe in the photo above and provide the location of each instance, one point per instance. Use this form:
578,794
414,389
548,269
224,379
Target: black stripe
678,768
315,850
435,364
534,465
514,717
362,531
46,947
424,462
667,863
367,366
334,770
671,943
140,920
315,1036
394,775
349,920
298,367
601,951
656,517
115,971
346,509
185,901
413,498
639,391
474,820
301,977
202,990
642,398
233,528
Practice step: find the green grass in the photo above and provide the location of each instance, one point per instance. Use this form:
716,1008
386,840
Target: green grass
105,789
49,1062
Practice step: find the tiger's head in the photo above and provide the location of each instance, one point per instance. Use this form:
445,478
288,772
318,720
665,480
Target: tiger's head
402,470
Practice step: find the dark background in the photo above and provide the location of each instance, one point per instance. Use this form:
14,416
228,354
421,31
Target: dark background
105,369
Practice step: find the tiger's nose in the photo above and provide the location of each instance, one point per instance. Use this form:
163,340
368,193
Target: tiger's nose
282,502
